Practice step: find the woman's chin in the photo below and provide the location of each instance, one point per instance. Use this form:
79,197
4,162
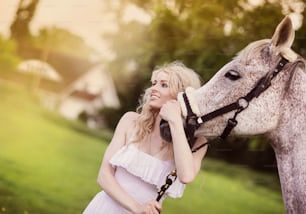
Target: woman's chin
155,107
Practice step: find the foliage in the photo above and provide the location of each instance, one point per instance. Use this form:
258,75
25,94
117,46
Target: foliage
267,17
48,167
255,152
111,116
299,43
83,116
131,48
180,33
61,40
8,55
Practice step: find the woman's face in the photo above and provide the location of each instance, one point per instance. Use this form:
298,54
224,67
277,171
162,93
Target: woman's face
160,90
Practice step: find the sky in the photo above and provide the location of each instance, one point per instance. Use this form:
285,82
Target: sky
85,18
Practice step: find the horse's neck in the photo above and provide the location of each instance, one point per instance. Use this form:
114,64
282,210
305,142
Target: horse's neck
289,142
293,110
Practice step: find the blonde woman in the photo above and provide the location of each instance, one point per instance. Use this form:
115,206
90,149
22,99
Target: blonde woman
138,160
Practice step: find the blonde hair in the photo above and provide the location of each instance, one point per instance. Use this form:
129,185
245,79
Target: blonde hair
180,77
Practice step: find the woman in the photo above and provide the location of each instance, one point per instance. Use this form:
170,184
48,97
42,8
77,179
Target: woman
138,160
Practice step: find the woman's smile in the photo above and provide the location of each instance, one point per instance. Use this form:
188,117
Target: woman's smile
160,90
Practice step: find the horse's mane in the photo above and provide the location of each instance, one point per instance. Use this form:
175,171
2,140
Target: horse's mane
253,49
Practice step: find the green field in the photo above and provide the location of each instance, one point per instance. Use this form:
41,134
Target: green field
49,166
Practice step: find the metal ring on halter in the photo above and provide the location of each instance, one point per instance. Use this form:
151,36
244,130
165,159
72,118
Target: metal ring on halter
243,103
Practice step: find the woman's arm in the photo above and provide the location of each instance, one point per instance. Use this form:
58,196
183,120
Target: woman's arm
187,164
106,177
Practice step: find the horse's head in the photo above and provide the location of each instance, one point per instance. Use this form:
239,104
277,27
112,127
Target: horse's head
237,78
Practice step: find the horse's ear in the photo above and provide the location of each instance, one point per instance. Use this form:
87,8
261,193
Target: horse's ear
284,34
282,39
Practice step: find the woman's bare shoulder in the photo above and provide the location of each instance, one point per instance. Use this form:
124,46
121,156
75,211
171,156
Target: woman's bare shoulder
128,120
130,116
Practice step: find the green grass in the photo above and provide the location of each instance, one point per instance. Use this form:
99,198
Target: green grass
45,166
49,166
216,192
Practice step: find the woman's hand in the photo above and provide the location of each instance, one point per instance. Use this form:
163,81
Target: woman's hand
171,111
150,207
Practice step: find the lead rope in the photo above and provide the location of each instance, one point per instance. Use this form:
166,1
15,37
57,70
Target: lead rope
171,177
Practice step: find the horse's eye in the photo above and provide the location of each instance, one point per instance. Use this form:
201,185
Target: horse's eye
232,75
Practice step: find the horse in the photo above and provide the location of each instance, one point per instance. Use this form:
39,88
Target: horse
262,91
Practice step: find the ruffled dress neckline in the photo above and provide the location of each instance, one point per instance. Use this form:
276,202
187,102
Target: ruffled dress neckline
148,168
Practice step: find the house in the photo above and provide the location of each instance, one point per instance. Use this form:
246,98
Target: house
72,85
89,93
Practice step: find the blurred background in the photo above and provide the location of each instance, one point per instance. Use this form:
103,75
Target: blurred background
70,69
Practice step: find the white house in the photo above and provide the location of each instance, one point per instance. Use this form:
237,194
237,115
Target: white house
90,92
72,91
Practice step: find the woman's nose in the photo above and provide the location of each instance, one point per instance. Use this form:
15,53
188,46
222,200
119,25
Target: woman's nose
154,87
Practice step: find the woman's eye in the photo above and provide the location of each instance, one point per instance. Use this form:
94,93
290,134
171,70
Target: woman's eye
164,85
232,75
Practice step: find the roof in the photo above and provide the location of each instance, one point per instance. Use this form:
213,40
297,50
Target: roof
84,95
69,67
39,67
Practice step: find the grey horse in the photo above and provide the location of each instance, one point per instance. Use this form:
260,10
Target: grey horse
278,111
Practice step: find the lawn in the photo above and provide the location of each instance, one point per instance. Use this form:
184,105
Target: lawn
49,166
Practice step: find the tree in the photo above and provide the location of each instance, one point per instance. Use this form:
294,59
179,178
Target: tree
20,27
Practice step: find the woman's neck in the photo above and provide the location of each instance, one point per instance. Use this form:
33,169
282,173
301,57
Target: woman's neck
156,144
156,124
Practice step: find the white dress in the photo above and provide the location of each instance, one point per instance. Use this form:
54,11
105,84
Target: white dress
141,175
